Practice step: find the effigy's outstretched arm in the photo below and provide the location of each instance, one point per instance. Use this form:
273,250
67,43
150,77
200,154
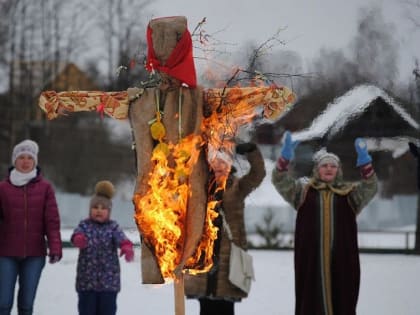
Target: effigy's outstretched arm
232,108
240,102
114,104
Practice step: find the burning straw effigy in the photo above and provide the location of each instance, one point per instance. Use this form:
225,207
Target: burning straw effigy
181,132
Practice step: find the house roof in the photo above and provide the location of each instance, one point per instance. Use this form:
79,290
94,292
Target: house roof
348,107
70,77
67,76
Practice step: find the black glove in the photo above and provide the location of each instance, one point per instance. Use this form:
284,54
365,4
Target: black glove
245,147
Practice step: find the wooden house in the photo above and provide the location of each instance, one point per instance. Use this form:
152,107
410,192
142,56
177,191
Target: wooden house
365,111
21,115
71,78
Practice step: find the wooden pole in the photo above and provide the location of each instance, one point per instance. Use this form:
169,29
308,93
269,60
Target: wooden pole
179,295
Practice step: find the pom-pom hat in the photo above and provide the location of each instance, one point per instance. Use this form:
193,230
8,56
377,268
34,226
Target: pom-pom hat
28,147
104,191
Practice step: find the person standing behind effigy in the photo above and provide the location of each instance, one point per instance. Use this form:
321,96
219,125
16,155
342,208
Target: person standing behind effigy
214,291
98,268
29,223
327,266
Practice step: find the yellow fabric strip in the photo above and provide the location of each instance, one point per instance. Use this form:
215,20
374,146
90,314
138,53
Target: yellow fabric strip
326,248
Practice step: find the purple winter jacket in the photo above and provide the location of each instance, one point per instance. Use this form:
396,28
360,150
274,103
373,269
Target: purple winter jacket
29,219
98,266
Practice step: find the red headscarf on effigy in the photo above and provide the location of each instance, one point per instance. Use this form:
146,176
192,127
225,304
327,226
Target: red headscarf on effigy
180,63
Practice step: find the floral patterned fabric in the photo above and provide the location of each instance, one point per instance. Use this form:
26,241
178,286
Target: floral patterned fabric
240,101
98,266
114,104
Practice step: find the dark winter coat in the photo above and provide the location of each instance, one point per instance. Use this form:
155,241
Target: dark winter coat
98,266
29,219
327,268
216,283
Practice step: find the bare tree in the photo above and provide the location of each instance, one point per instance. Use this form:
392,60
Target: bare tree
375,49
123,34
334,72
33,44
372,59
413,14
413,11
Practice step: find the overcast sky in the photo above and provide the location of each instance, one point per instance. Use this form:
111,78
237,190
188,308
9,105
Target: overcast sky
311,24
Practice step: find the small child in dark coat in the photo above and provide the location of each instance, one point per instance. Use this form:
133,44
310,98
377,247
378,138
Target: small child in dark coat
98,267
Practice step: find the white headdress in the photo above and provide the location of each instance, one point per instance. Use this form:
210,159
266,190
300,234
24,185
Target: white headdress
26,147
323,156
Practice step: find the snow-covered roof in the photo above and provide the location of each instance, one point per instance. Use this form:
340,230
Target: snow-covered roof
350,105
397,145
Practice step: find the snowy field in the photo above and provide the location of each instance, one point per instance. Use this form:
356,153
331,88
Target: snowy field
390,285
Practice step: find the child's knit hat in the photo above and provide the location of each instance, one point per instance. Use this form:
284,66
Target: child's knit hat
104,191
25,147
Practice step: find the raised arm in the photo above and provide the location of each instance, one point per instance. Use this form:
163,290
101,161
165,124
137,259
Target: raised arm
287,186
365,189
256,174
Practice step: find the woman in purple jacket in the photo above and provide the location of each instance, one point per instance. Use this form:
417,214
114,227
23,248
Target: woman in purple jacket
29,224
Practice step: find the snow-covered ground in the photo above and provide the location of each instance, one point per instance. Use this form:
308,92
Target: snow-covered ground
389,286
389,283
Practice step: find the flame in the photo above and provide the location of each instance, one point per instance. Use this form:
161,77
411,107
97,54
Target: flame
204,252
232,108
161,212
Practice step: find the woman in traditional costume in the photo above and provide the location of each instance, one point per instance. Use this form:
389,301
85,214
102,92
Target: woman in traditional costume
327,267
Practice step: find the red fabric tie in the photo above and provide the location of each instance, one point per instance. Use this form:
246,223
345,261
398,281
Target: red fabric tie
180,63
100,109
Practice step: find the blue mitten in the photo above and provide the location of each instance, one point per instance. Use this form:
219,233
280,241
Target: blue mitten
363,156
288,148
